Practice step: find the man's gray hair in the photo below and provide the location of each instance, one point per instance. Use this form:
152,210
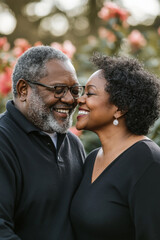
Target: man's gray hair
31,65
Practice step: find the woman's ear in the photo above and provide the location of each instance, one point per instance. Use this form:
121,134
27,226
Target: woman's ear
119,114
22,90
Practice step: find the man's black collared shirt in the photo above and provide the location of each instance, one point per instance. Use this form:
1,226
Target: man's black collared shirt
37,181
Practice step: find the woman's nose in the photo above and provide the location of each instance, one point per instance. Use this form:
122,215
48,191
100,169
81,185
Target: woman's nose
81,99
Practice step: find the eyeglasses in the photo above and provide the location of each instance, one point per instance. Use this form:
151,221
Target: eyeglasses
61,90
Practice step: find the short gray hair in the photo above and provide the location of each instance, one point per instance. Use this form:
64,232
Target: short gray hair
31,65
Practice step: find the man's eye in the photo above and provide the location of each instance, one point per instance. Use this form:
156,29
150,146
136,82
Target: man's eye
59,90
75,91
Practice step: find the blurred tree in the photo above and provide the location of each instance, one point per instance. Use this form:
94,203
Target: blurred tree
95,25
81,24
24,27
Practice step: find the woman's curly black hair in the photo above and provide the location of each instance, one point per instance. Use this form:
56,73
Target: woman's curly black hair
132,89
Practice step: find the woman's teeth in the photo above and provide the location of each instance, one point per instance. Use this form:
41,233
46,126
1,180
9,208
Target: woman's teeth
82,112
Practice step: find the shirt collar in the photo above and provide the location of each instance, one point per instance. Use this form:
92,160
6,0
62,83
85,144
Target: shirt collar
25,124
53,136
20,119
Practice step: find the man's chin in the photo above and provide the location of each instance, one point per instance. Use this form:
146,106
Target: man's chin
58,125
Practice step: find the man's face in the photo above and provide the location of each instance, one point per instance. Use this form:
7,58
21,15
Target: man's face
45,111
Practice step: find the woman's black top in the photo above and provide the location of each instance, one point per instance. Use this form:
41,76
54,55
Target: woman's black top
123,203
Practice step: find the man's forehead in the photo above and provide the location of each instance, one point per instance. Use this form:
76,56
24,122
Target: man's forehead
61,70
59,65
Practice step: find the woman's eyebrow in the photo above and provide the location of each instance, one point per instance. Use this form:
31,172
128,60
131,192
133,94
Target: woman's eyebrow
88,86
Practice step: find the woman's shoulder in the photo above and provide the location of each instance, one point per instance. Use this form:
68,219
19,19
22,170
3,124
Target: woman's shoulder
139,158
148,149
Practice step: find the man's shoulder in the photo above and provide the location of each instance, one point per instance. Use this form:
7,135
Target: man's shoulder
5,115
73,137
75,142
6,125
2,115
3,119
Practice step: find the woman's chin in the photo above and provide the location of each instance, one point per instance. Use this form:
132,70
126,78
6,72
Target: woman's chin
79,126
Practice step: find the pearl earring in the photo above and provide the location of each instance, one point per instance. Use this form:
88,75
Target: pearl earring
115,122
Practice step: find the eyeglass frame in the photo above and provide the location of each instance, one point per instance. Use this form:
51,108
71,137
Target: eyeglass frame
53,88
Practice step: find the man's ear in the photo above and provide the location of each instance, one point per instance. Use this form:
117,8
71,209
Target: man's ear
22,90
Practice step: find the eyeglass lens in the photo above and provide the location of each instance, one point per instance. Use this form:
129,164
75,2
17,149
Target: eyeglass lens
60,91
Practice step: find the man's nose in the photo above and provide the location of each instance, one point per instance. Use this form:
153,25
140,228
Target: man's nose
68,98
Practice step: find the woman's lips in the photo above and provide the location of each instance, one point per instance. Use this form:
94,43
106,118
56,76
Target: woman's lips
82,112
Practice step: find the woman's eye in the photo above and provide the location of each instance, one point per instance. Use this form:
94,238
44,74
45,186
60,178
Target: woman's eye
90,94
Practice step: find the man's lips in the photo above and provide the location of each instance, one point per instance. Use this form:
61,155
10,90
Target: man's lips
62,111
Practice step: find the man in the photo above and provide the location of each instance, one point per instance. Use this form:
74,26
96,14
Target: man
40,161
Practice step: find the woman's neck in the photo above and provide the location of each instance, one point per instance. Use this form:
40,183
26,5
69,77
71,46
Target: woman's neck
118,140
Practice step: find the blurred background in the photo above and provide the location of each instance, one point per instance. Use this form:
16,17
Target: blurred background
79,28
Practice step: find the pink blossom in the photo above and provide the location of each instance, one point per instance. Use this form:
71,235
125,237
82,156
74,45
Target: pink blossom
4,44
112,10
57,46
21,42
21,45
107,34
158,30
67,48
38,43
5,82
136,40
17,51
75,131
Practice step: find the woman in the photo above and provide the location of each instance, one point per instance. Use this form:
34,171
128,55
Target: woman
119,196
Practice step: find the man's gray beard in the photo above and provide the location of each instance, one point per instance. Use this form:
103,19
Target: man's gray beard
43,118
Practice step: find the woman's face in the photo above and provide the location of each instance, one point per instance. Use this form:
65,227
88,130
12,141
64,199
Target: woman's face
95,110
